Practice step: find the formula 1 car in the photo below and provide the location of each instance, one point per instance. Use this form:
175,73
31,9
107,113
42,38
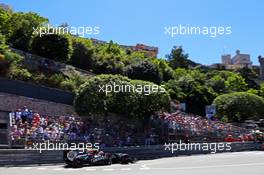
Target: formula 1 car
78,159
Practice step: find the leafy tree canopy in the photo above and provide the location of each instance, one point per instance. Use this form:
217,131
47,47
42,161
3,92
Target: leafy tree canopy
239,106
91,100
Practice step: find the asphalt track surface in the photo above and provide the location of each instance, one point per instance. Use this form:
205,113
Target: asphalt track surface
239,163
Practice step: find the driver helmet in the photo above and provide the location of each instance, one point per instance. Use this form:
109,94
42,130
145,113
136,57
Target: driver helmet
101,153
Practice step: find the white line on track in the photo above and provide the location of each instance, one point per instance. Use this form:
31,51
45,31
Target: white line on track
57,169
144,168
213,166
108,169
72,169
90,169
41,168
254,153
125,169
28,168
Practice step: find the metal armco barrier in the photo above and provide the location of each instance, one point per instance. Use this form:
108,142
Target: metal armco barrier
27,157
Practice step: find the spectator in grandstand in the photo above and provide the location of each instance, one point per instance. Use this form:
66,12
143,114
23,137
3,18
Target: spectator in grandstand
28,125
197,126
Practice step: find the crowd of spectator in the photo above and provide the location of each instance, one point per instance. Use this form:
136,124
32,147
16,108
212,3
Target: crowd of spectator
194,126
28,126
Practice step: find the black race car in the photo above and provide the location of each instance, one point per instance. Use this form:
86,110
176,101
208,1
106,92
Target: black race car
78,159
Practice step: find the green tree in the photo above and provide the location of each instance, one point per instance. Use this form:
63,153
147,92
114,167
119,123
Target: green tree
4,18
144,70
239,106
217,83
165,70
20,27
56,47
250,76
185,87
178,59
91,100
259,92
236,83
109,59
82,56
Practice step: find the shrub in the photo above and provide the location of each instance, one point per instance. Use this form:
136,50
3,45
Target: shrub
19,73
7,58
239,106
68,85
39,78
55,80
3,46
4,65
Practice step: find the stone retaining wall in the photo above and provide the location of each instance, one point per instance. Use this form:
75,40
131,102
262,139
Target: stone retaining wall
10,102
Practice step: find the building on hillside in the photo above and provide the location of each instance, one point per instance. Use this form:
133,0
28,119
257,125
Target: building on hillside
237,61
5,6
261,68
240,61
96,41
149,51
226,59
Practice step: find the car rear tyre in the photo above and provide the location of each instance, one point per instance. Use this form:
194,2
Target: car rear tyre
77,164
